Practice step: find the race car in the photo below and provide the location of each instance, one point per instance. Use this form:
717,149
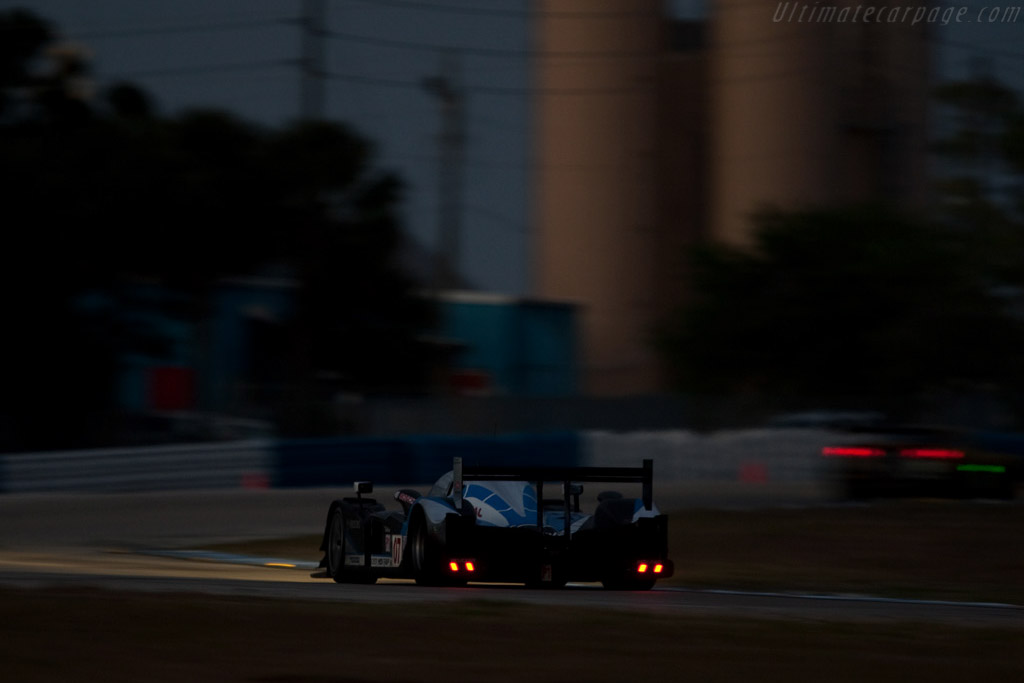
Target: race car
494,524
901,460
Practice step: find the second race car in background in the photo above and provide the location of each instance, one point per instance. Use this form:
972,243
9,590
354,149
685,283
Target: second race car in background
917,460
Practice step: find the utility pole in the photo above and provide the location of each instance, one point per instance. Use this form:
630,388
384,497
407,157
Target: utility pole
314,21
451,143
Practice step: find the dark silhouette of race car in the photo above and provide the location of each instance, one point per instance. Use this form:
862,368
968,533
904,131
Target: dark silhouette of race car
494,524
901,460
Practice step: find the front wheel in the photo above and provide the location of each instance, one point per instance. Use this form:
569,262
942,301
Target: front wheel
336,546
337,550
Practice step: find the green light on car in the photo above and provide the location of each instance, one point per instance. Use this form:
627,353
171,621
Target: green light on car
988,469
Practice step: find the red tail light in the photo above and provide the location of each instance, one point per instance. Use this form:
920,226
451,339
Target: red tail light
852,452
652,569
933,453
462,566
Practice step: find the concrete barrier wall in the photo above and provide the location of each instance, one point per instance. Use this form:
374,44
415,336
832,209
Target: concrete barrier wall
748,455
275,463
754,455
160,468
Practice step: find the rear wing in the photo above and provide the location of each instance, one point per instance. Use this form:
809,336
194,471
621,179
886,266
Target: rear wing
643,475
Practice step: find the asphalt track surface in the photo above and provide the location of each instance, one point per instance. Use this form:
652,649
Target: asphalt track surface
114,541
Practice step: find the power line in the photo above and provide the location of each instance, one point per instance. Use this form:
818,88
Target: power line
481,89
139,31
524,13
149,30
424,47
314,69
516,53
206,69
447,8
478,89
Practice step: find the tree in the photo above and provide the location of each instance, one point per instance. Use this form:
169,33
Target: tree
981,174
101,196
838,303
358,323
22,35
868,300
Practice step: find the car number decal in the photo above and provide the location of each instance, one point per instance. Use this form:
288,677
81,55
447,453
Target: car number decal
396,550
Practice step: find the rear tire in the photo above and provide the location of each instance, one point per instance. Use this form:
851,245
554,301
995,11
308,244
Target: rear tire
425,554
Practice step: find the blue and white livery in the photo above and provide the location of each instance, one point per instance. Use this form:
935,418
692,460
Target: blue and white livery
490,524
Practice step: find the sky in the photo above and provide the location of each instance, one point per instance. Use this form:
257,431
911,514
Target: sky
244,56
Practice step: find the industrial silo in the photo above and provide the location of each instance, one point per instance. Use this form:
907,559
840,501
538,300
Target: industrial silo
814,104
594,177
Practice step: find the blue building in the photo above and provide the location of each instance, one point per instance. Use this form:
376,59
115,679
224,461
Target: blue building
511,346
217,366
231,364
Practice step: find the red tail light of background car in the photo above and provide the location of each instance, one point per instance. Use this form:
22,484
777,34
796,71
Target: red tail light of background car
869,452
932,453
852,452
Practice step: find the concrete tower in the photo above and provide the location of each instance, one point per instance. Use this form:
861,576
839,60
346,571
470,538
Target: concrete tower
595,178
813,105
650,135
